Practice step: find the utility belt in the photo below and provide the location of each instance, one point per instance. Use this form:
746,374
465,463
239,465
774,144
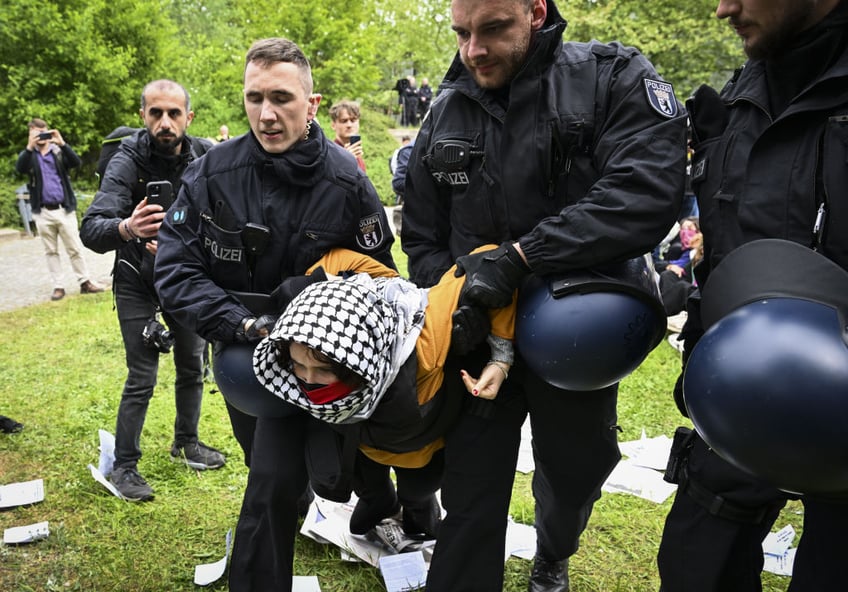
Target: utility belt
677,472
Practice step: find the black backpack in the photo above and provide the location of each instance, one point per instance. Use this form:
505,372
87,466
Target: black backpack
113,140
110,146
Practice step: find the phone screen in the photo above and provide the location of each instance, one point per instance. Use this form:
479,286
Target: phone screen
159,193
355,139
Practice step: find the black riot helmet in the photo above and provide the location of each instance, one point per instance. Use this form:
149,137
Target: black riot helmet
767,384
588,329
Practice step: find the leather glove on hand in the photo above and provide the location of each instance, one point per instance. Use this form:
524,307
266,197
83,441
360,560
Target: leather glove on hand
252,332
491,277
471,326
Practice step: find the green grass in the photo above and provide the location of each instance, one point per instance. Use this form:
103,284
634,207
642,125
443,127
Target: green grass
62,374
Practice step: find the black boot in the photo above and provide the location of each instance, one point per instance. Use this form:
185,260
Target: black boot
421,518
377,496
548,576
9,425
369,512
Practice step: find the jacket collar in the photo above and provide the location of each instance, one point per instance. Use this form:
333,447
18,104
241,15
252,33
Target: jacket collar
301,165
825,92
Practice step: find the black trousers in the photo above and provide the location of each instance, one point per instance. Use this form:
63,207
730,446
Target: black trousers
263,550
702,552
575,447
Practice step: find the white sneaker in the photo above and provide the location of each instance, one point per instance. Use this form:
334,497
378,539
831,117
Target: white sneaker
675,342
676,322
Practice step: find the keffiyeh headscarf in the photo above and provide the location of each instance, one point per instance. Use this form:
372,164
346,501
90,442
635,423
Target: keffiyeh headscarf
368,325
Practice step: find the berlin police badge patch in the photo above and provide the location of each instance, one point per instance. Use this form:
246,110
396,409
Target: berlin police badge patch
661,97
370,232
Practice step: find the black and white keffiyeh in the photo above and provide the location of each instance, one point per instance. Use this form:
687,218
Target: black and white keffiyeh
367,324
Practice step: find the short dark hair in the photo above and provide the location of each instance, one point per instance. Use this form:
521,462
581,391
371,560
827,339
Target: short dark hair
35,122
164,84
344,105
277,49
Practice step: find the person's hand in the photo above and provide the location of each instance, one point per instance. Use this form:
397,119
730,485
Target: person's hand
470,327
489,384
33,140
491,276
152,246
676,269
253,329
57,138
355,149
144,222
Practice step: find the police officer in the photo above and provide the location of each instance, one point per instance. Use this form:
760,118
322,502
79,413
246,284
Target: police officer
120,219
568,155
770,162
254,211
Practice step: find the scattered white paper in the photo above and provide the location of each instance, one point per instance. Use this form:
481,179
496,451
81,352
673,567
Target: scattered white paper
525,463
780,565
107,452
520,540
21,494
209,573
404,572
778,543
305,584
639,481
335,529
329,523
777,554
648,452
26,534
98,476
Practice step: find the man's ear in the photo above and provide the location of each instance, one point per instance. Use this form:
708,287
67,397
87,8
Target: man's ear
314,100
189,118
539,12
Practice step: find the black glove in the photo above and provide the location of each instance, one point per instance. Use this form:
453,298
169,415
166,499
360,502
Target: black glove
708,114
471,326
255,331
294,285
491,276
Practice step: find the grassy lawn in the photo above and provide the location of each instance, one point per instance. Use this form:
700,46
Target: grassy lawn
61,374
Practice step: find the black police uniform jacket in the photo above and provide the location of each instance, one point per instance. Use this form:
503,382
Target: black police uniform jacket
761,176
245,220
124,185
584,165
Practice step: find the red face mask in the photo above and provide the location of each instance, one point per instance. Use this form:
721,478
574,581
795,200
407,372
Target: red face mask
321,394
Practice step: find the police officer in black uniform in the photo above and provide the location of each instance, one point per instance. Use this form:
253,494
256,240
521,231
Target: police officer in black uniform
258,209
569,155
770,163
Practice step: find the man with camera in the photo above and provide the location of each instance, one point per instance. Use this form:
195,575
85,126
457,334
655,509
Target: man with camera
46,160
138,186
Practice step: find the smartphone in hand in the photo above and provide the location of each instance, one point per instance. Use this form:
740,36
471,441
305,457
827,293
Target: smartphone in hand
355,139
160,193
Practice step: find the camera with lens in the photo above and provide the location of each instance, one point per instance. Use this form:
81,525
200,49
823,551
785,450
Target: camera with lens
156,336
45,135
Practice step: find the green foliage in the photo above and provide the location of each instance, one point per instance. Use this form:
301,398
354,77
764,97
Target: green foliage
77,64
81,64
684,41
